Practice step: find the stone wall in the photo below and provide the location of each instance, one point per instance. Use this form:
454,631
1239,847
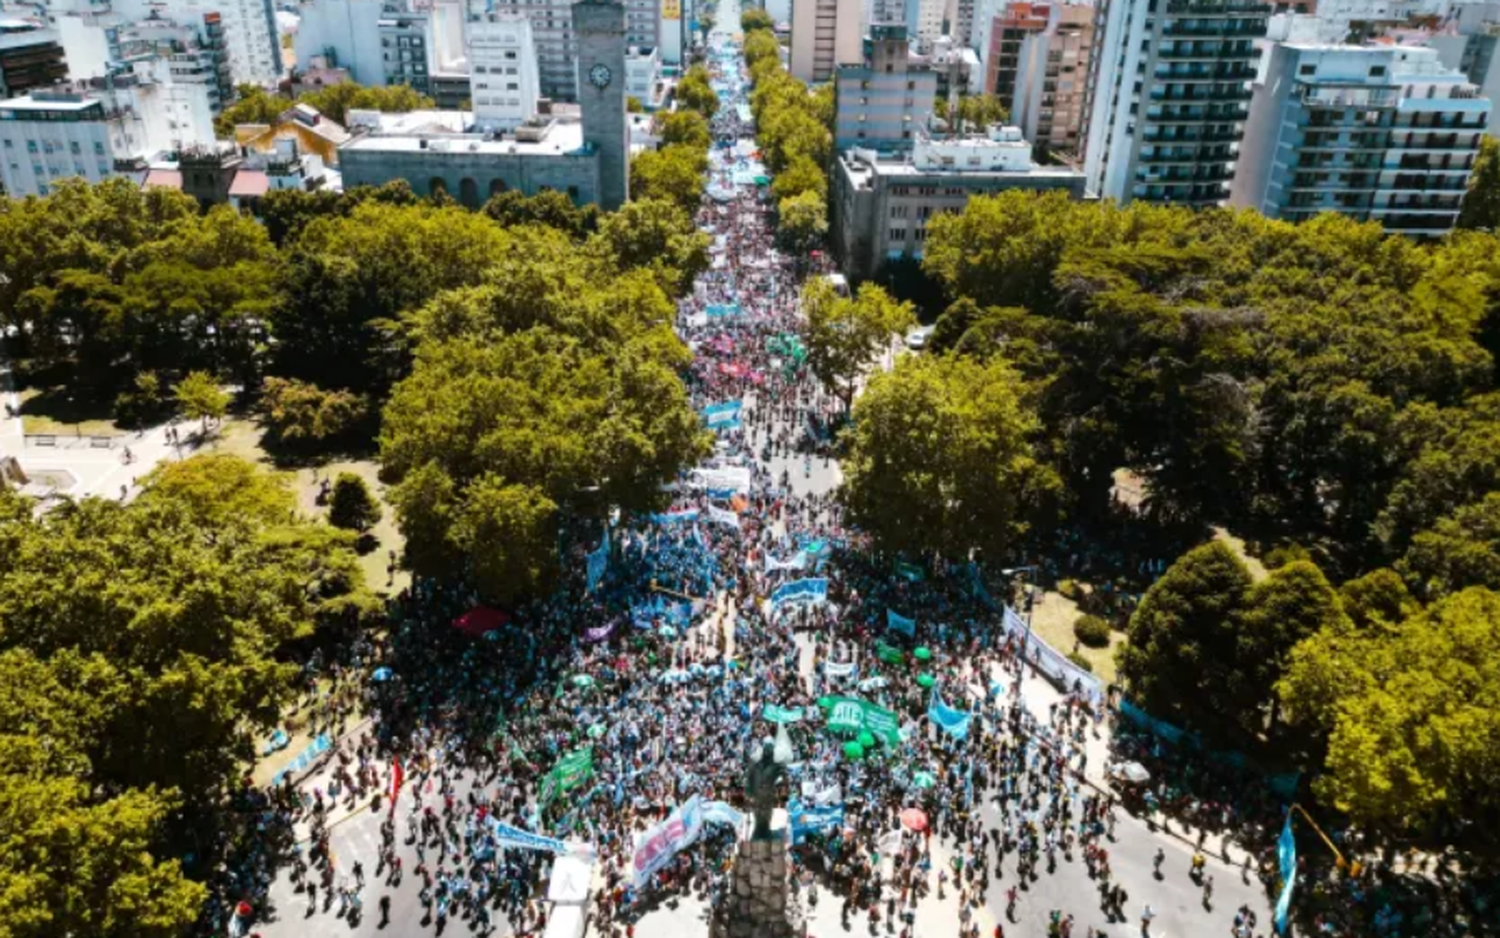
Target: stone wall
757,904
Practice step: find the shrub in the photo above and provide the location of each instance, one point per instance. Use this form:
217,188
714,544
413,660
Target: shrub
352,507
1081,661
1092,631
299,414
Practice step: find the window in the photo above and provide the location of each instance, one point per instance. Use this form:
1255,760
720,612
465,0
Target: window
8,144
1305,70
898,211
1377,71
898,234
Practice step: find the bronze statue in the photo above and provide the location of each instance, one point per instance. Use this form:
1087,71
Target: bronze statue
762,779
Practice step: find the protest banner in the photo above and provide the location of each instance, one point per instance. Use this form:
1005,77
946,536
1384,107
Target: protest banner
814,590
508,836
851,715
899,623
722,416
839,668
954,722
777,714
571,771
659,844
726,518
1050,661
809,819
1286,852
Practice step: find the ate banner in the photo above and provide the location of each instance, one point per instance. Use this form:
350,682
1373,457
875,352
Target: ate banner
851,715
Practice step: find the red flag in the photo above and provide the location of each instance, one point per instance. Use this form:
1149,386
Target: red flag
397,777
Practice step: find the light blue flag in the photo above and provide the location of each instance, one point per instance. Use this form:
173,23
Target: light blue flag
899,623
1286,851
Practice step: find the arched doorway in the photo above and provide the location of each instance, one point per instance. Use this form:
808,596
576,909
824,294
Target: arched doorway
468,192
436,185
497,186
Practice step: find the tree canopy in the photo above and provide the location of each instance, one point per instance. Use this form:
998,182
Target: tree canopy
940,459
256,105
137,648
845,334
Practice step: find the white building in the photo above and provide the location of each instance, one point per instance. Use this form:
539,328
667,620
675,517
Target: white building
1469,44
48,136
643,75
552,34
825,34
249,31
378,45
504,83
1383,133
1168,96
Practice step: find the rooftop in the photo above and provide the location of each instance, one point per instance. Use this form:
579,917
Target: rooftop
442,131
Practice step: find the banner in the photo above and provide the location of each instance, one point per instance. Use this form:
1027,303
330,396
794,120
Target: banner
899,623
593,636
659,844
676,517
671,10
598,561
851,715
507,836
734,479
782,714
889,654
722,310
1052,663
807,819
839,669
911,571
1286,851
800,591
571,770
723,416
727,518
719,812
955,722
798,561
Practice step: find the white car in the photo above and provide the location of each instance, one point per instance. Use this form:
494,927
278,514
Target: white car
917,339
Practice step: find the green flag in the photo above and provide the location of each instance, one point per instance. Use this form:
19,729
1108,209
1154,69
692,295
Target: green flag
571,770
851,715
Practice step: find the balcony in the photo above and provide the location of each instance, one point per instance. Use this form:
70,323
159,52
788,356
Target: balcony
1156,134
1229,71
1173,94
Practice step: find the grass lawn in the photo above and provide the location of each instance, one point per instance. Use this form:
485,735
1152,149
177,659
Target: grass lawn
241,437
1052,619
53,410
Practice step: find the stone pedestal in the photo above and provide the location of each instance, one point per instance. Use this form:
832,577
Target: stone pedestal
757,904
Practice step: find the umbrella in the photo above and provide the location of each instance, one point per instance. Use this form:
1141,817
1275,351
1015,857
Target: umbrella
924,780
923,653
873,683
926,680
914,819
582,680
1133,772
854,750
597,730
866,739
381,674
667,631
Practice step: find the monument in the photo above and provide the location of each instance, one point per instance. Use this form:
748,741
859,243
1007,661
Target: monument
757,903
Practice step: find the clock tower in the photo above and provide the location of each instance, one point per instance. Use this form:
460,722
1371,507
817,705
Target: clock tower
599,26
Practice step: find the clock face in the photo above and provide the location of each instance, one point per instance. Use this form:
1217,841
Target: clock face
599,76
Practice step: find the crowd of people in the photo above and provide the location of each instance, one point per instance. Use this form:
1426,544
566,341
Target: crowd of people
659,662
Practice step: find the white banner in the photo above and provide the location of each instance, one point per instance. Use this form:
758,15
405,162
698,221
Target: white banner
736,478
839,668
727,518
659,844
1051,662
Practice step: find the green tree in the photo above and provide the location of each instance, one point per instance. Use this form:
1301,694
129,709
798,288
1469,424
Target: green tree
1411,714
800,176
336,101
253,105
304,416
695,92
979,111
1461,550
581,430
351,506
1481,208
755,18
672,174
633,105
551,208
1182,657
216,489
688,128
845,334
940,459
802,222
201,398
760,46
657,236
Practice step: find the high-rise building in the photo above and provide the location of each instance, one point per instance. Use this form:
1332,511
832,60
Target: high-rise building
249,33
1052,77
1469,44
600,25
378,44
30,57
960,21
1002,29
825,34
883,102
502,72
553,34
1379,133
1168,96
